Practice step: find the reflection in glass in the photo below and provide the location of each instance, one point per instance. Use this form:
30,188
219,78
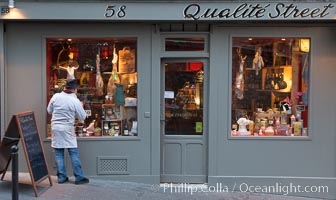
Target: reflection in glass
184,44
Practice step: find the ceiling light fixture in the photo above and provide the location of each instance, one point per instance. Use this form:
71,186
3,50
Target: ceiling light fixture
11,4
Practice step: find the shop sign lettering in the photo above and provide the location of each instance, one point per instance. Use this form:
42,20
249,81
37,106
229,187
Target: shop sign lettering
242,11
257,11
207,11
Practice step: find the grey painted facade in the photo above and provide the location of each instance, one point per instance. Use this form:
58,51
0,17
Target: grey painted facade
231,161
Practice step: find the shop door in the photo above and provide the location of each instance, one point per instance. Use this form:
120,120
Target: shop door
183,136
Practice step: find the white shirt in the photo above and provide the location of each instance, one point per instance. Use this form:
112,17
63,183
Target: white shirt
65,108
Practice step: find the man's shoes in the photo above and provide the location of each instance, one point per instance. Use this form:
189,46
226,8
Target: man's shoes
83,181
64,181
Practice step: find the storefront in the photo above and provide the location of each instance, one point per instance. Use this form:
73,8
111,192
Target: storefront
236,95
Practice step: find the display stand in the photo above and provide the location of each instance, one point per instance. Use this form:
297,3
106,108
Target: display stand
23,126
114,117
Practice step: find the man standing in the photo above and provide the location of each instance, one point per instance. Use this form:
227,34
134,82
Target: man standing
65,107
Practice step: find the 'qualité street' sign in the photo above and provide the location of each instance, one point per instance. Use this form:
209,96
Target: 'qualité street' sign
171,11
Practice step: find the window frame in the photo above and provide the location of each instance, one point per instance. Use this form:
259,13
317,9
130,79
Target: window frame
184,54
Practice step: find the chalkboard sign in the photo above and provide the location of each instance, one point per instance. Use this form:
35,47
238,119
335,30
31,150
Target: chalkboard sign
23,126
31,139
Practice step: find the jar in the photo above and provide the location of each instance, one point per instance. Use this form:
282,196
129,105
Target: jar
117,130
304,132
109,111
106,128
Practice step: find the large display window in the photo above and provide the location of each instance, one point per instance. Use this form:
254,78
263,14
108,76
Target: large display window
106,70
270,86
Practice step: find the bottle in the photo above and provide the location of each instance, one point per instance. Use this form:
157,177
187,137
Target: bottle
103,113
116,129
126,133
106,128
97,123
292,120
251,127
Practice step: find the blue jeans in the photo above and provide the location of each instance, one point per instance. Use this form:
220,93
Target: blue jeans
76,164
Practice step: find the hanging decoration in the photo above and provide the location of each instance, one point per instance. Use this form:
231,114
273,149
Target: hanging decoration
258,61
99,79
105,52
239,89
114,78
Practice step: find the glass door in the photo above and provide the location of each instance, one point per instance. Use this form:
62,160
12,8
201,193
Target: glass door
183,140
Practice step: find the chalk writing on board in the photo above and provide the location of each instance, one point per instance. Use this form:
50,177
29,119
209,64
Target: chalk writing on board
33,146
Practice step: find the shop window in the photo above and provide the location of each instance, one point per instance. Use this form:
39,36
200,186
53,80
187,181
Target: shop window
106,71
270,86
184,44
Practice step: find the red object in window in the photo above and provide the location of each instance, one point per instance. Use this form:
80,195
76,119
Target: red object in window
105,52
74,50
195,66
55,81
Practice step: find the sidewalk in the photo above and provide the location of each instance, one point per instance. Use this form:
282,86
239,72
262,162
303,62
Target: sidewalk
99,189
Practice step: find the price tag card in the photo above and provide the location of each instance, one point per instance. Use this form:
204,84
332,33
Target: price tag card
88,113
169,95
199,127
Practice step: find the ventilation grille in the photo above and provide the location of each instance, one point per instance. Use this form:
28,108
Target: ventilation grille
112,165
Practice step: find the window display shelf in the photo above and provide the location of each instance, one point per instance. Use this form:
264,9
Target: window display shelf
112,127
277,78
113,112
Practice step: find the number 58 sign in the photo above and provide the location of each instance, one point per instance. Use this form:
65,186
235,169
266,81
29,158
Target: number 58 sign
115,11
5,10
